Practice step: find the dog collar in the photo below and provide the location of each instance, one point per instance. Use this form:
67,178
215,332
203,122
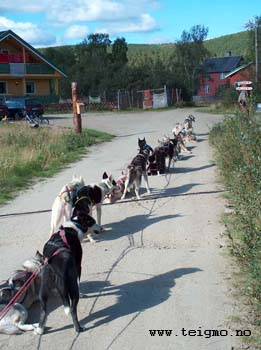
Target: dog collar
83,197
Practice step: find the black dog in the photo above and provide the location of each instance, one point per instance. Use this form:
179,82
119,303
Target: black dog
62,267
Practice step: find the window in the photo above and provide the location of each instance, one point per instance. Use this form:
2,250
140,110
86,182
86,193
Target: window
30,87
206,89
221,76
3,87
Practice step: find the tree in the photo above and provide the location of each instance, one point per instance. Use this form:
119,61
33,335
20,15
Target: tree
190,53
92,63
119,52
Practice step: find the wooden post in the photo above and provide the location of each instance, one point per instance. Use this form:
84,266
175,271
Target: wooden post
77,120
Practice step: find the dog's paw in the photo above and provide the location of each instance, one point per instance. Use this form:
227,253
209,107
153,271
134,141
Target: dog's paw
90,239
38,331
67,310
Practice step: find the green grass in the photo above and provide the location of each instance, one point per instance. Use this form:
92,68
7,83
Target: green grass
28,153
237,145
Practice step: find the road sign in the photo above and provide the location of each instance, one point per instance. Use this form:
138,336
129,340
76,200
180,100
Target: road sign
239,83
244,88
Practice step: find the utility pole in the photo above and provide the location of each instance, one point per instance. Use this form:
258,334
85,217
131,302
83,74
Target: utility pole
256,52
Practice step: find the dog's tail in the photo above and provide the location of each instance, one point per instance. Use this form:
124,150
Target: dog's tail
8,328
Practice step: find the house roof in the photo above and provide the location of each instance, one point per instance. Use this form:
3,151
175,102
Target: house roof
221,64
238,69
7,33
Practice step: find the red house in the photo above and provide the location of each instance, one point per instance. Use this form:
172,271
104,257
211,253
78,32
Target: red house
220,72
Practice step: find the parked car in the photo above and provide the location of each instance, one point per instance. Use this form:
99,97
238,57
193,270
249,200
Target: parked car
3,109
17,107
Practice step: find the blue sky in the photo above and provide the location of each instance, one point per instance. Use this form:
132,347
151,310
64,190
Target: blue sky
62,22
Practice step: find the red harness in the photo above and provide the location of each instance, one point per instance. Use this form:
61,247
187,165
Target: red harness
58,250
34,275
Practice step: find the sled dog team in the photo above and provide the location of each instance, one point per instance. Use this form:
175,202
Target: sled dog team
59,266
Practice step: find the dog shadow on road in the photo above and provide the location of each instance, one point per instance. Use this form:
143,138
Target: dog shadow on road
131,225
189,170
136,296
172,191
132,298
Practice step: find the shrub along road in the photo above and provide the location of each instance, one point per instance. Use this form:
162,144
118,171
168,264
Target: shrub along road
159,266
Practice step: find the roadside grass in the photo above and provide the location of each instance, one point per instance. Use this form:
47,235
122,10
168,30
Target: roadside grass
28,153
217,109
237,145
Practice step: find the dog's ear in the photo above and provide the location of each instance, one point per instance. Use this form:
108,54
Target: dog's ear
81,180
105,176
38,255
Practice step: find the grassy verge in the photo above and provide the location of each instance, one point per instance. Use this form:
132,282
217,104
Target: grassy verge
28,152
219,110
237,145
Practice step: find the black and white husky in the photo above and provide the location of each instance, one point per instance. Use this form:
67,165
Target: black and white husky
65,202
62,267
137,169
94,196
13,318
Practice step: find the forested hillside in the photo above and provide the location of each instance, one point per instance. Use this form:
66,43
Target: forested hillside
100,65
236,43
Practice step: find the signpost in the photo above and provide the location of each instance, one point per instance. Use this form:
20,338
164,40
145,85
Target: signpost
77,120
245,87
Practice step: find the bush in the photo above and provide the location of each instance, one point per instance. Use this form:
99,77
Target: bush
237,143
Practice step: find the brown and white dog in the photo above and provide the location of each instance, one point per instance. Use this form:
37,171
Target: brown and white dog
189,135
13,321
178,133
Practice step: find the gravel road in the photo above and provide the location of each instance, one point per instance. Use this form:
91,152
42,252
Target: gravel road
159,266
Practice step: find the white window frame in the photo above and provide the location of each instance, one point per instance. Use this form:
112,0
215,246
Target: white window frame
206,89
34,87
6,90
221,76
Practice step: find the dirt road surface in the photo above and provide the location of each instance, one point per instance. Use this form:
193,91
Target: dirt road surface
159,266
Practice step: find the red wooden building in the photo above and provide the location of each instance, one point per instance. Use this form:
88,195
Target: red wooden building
219,73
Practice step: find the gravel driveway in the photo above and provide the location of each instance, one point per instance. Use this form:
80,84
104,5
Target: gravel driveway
159,266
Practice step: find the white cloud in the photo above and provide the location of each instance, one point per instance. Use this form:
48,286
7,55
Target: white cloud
76,32
108,16
144,24
30,32
22,6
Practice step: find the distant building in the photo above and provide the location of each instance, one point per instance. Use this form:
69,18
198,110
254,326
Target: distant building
24,71
219,73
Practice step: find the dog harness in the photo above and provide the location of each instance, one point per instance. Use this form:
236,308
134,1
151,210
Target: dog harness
68,190
56,244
